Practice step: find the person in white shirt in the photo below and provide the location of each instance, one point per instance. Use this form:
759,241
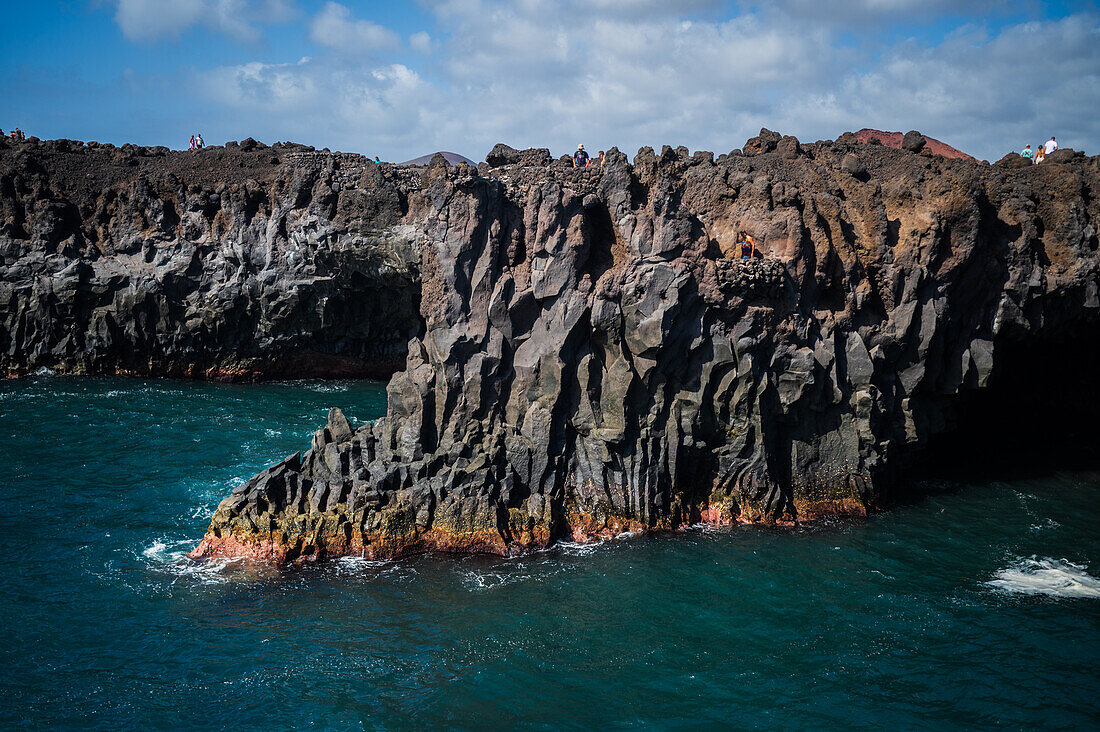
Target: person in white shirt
1051,146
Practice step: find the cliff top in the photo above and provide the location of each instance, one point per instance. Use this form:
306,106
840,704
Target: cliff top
75,168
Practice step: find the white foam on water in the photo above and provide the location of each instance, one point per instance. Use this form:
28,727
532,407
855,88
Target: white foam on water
201,511
169,556
1044,525
155,550
357,565
482,580
710,528
579,548
477,580
1046,576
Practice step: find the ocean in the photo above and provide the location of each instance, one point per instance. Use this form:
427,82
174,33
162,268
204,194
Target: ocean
975,607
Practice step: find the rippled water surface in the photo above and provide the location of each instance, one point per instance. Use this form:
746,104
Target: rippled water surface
978,607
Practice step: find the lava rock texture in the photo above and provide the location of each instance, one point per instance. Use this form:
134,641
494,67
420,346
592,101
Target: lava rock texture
228,263
593,358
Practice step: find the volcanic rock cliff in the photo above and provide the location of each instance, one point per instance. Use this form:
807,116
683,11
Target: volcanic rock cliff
225,263
594,358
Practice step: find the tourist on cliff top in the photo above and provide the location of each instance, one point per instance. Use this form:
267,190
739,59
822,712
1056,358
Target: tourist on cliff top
192,142
377,161
748,246
199,143
1050,147
580,158
602,158
1039,155
1027,152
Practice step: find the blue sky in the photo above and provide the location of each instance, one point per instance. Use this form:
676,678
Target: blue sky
401,79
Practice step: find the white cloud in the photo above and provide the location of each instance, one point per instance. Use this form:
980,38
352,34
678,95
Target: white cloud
335,28
421,42
378,110
149,20
640,72
984,95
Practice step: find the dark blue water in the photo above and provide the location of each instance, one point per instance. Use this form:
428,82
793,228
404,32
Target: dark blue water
976,608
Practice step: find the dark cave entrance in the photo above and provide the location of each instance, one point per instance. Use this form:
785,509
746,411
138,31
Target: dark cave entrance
1038,414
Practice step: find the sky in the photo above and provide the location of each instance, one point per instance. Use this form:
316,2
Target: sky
401,79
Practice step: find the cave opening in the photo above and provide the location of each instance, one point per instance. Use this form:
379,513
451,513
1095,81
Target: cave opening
1037,415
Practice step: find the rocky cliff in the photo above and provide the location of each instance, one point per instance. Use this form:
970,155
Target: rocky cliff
594,358
226,263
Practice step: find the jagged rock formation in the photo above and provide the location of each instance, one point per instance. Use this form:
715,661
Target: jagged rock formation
595,360
583,353
229,263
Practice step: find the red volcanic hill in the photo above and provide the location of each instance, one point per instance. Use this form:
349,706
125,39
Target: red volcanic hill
893,139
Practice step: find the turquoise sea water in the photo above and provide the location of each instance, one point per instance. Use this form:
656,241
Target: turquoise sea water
978,607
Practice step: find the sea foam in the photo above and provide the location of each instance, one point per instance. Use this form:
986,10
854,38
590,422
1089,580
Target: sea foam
1046,576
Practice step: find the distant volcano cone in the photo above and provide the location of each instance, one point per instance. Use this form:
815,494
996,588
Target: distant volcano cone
450,157
893,139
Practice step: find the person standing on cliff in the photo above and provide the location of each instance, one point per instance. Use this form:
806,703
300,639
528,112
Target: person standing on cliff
1039,155
192,142
1050,147
1027,152
580,158
199,143
748,246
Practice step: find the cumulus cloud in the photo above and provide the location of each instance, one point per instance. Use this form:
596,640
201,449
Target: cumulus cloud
149,20
986,95
642,72
421,42
380,109
335,28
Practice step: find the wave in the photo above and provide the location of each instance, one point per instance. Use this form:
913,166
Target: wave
579,548
1046,576
475,580
169,556
352,564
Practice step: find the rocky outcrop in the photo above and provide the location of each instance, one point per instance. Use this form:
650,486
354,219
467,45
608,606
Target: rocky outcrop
913,141
229,263
502,155
596,360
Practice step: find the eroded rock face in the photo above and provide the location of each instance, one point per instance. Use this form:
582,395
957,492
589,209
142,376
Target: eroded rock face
596,360
237,263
